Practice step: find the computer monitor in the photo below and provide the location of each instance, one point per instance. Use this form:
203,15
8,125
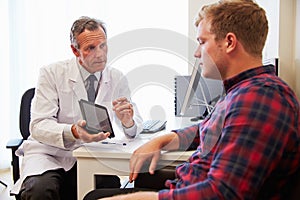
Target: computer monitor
191,90
272,61
200,96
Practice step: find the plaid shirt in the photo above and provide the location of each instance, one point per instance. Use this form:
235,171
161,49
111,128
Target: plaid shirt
248,148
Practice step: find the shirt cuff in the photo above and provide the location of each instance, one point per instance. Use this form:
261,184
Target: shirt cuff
131,131
164,194
69,139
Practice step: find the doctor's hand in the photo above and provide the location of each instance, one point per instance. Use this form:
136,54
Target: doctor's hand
124,111
80,133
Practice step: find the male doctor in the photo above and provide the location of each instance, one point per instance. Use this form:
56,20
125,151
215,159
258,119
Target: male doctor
48,167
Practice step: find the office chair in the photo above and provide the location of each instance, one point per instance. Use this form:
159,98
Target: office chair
24,119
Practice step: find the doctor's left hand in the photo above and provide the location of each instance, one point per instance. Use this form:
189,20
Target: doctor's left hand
80,133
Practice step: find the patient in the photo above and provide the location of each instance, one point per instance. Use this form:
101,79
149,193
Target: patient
249,147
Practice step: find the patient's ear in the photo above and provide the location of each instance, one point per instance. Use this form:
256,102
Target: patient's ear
231,42
75,50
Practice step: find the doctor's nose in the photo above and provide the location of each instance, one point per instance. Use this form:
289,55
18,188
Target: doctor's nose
100,49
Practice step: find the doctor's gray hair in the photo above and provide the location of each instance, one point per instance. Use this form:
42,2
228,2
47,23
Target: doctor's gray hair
83,23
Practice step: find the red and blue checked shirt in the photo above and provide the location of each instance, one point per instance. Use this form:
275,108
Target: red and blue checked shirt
248,148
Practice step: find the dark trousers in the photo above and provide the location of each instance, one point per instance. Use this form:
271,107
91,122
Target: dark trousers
101,193
59,185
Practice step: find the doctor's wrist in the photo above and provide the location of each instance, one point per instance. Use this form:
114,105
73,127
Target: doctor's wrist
74,131
128,125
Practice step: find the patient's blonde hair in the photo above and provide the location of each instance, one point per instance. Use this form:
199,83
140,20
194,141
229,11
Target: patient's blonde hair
244,18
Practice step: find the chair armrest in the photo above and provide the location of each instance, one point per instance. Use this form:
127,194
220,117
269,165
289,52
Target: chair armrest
14,143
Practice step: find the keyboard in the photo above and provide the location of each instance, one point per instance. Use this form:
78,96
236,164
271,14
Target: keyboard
153,125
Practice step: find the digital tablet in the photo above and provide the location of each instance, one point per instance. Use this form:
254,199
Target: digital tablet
96,117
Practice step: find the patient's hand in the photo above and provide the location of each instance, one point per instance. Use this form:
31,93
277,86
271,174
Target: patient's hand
135,196
149,152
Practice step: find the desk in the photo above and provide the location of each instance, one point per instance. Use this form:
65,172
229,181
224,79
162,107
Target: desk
97,158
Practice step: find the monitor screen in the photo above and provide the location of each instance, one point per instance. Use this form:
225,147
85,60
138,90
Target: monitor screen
191,89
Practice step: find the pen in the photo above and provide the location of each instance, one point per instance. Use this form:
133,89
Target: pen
114,143
126,184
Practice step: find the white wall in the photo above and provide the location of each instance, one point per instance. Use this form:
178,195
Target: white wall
297,49
4,84
287,37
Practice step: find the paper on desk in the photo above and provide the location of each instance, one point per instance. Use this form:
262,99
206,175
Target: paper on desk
117,144
131,144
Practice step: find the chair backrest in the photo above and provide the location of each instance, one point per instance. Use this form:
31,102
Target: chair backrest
24,117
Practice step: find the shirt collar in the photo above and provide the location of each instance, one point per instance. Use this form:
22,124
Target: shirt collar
85,74
229,83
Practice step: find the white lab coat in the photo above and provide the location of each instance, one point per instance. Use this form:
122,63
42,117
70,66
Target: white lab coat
55,107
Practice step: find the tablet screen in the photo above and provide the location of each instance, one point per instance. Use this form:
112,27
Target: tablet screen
96,117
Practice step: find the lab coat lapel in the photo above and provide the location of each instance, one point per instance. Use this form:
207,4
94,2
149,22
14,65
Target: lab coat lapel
79,89
104,88
76,83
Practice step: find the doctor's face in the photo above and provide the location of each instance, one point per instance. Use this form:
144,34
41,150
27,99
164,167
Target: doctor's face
92,52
